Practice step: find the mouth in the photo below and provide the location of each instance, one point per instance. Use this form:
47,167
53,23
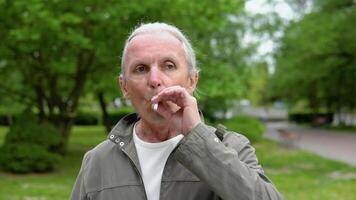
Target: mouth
154,106
149,104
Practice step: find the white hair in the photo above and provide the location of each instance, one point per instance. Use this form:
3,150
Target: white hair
163,27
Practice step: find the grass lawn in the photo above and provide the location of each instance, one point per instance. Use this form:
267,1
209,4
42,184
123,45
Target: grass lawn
301,175
297,174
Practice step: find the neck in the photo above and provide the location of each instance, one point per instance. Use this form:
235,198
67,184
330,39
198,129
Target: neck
154,133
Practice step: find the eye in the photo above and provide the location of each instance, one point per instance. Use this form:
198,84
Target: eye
170,66
140,69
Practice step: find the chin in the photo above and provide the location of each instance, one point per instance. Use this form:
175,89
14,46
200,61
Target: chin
152,118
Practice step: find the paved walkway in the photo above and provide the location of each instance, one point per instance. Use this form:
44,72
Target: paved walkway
337,145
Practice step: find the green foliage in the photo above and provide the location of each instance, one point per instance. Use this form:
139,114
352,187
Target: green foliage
311,118
56,185
316,60
29,146
250,127
214,109
5,118
27,129
257,93
3,131
115,117
92,118
27,157
53,52
86,118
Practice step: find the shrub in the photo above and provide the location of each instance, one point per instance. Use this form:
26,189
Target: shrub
25,158
214,109
5,119
250,127
29,146
86,118
311,118
27,129
116,116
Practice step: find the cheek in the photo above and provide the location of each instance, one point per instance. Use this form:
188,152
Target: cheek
181,80
137,90
135,84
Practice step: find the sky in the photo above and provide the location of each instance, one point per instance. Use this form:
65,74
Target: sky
263,7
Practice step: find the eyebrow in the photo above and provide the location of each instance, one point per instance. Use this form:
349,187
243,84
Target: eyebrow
171,58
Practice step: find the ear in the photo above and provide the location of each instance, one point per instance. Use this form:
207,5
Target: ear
193,81
123,87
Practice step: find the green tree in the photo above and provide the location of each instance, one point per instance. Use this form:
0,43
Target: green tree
257,84
316,60
52,47
53,52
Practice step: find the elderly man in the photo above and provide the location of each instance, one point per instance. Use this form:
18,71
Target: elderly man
165,151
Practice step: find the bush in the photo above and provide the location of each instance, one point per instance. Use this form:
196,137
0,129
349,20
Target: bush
311,118
5,119
116,116
214,109
28,130
250,127
90,118
25,158
29,146
86,118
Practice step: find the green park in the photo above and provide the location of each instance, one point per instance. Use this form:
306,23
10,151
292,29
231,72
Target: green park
60,97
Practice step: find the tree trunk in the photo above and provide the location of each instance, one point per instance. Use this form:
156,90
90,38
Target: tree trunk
104,112
64,125
40,103
68,108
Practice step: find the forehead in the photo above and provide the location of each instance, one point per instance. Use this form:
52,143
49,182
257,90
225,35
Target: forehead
154,45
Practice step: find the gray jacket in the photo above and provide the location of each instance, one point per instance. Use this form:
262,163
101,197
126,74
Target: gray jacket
201,167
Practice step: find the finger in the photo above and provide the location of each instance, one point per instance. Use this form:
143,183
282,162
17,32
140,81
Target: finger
177,95
164,110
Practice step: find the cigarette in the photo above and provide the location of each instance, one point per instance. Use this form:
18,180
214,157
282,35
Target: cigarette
154,106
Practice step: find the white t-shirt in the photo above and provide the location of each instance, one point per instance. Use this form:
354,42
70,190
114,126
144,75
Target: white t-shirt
153,158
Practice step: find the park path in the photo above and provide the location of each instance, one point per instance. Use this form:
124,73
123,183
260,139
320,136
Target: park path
337,145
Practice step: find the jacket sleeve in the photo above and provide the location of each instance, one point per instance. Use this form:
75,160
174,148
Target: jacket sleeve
78,191
229,167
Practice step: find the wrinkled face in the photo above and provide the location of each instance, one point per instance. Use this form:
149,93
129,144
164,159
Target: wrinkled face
154,61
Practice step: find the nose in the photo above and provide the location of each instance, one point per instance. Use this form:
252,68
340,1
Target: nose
155,78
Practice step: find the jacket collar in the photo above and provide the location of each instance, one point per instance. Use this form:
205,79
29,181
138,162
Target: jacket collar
122,131
121,135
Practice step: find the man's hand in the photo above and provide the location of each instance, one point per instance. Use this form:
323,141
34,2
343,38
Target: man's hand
186,116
